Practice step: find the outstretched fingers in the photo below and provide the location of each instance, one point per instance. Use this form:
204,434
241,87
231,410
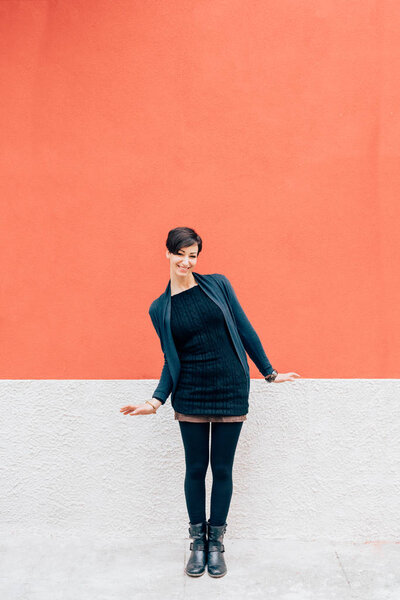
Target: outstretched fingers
127,409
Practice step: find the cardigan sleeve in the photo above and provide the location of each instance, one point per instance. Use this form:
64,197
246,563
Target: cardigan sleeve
248,335
165,383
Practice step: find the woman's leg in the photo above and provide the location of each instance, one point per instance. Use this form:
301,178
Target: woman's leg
224,439
195,437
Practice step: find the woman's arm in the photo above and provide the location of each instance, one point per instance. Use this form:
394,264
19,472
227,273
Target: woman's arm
165,384
248,335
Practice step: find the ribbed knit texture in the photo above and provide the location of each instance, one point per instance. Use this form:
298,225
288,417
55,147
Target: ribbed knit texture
212,379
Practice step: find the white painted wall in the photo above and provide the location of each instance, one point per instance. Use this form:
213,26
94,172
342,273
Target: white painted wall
317,458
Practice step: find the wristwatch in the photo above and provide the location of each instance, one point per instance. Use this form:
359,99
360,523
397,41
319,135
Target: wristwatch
271,377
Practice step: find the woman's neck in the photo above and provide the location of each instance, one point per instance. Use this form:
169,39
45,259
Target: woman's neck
179,284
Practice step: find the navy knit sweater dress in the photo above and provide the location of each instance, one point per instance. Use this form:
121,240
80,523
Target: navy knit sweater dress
211,371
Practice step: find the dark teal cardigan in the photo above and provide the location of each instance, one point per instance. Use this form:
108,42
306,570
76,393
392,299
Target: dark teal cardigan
244,337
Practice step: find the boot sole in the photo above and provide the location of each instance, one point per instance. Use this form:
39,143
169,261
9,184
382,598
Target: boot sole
218,575
194,574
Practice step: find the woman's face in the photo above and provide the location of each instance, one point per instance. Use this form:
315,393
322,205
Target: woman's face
184,261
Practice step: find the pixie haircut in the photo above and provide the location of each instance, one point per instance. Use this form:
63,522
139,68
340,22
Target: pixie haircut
180,237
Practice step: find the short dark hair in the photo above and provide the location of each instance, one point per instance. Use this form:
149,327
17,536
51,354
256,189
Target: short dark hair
181,237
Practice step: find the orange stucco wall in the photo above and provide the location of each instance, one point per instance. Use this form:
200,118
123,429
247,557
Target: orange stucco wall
271,127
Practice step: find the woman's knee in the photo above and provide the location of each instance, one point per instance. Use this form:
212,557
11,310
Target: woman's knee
197,471
221,472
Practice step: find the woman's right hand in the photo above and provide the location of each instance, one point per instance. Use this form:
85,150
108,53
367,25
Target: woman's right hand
138,409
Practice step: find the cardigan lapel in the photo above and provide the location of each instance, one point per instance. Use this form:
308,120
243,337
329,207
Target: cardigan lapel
217,295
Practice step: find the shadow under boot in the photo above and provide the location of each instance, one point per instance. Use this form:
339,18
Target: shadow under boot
196,564
215,560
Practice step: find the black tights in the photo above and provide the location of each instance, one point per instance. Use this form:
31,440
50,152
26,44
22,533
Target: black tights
224,438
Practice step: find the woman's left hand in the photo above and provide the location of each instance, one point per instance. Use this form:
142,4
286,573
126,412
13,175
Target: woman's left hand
285,377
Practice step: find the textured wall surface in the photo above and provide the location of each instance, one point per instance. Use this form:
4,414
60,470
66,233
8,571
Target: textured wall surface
316,459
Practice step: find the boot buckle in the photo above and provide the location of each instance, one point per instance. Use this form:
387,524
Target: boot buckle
199,546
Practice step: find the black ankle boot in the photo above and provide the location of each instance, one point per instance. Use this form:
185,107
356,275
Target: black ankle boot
215,559
196,565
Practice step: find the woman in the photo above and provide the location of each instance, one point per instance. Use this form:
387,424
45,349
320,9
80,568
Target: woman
204,335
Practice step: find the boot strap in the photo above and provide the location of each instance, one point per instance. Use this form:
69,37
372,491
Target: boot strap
199,546
213,548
